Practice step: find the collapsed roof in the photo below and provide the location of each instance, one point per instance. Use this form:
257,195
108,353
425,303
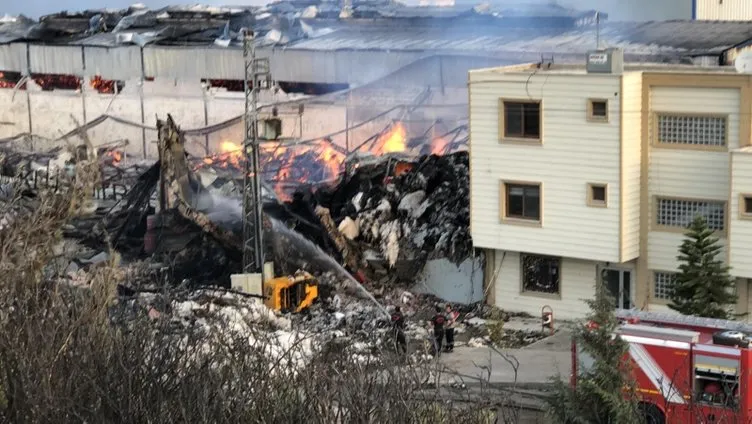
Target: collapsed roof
291,23
333,39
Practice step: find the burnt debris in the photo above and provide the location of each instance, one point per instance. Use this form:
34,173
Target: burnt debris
399,212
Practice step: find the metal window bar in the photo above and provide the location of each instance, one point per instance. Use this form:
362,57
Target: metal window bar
663,285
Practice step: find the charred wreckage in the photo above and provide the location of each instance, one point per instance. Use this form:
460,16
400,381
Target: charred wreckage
378,213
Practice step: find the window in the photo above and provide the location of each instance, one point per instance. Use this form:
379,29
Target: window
680,213
692,130
745,206
540,274
521,120
663,285
522,201
597,195
598,110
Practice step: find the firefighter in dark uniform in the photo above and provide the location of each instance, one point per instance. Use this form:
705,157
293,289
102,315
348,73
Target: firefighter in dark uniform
437,322
398,330
451,319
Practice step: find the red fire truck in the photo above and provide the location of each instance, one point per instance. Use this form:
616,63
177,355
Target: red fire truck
687,369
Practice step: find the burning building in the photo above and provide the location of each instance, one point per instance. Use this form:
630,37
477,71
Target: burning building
384,211
135,63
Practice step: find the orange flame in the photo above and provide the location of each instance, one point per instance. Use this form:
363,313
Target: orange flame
227,146
231,155
4,83
310,163
113,157
102,85
332,158
438,146
302,163
395,140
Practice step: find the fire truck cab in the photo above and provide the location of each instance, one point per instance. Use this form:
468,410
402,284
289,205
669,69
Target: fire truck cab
686,369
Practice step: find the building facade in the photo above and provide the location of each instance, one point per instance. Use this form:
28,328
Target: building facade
582,178
723,10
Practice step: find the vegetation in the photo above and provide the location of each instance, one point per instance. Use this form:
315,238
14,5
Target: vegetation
495,326
603,392
703,286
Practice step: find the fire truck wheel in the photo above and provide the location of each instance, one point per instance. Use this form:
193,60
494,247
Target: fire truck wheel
652,414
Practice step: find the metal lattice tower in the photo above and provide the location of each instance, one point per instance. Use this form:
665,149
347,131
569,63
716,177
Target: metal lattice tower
256,74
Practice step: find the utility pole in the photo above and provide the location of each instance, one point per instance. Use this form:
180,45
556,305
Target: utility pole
257,74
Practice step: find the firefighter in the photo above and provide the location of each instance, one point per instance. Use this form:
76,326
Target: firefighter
437,323
398,330
451,319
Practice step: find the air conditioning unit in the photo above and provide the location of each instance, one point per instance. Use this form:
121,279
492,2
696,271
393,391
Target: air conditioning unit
607,61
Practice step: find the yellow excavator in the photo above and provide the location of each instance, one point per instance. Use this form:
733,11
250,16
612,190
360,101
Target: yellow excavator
292,293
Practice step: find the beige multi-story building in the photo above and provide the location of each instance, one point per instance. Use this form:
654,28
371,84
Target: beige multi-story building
580,177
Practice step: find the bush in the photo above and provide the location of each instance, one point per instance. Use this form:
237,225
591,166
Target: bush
604,392
703,286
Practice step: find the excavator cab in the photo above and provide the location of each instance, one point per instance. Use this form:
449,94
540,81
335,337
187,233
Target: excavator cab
291,293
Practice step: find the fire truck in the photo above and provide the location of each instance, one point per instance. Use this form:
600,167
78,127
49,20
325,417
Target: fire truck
686,369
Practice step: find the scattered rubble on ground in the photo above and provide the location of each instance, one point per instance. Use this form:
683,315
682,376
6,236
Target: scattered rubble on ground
382,220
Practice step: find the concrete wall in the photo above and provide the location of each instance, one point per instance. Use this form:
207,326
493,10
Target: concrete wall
14,117
55,113
461,283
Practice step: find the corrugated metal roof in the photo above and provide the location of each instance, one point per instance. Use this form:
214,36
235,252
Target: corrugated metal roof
686,37
711,36
419,38
545,28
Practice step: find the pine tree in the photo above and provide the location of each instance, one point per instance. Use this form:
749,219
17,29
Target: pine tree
703,286
604,388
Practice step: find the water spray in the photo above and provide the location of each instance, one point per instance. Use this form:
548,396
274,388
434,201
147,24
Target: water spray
311,250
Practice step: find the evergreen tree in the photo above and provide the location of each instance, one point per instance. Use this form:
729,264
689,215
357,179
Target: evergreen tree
603,392
703,286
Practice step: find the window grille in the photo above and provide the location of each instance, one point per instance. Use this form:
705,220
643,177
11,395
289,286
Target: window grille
680,213
663,285
692,130
540,273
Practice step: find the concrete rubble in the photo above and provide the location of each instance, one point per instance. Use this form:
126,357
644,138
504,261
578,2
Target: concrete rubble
398,212
381,221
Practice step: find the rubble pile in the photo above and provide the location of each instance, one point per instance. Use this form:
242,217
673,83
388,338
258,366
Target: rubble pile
400,212
385,214
220,312
489,326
